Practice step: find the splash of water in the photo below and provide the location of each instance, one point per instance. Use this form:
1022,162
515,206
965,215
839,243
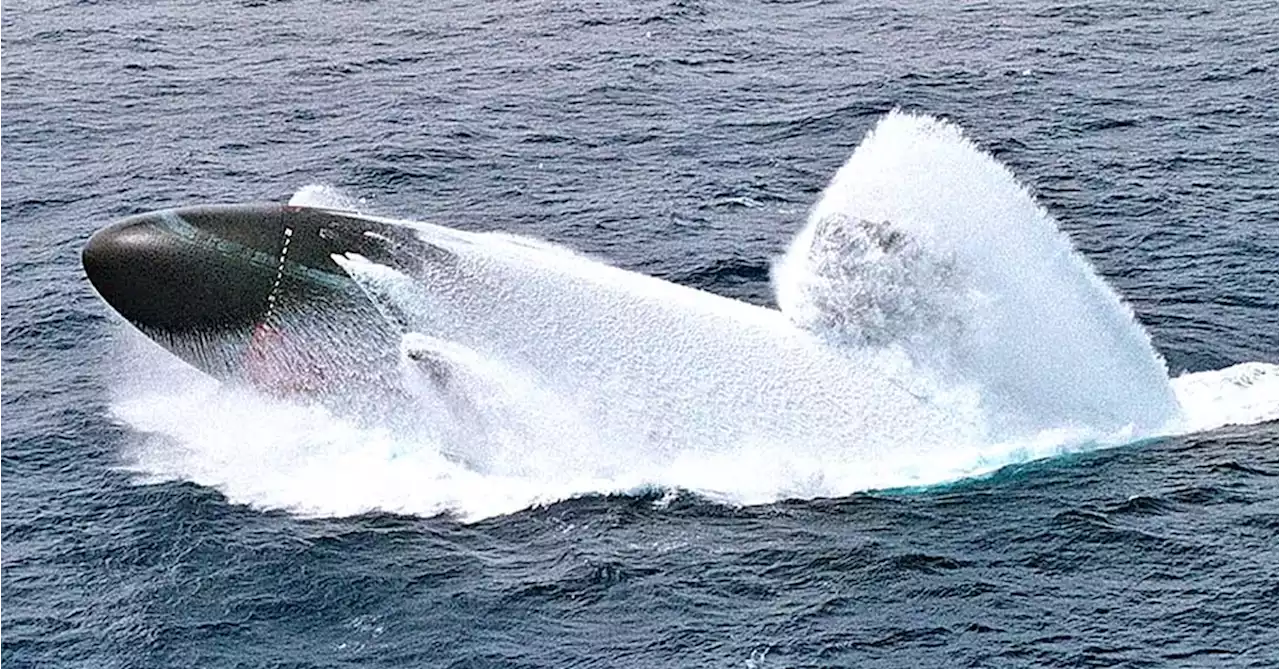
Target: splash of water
326,197
946,329
925,244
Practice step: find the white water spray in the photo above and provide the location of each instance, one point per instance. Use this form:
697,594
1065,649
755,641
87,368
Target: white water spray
935,325
925,244
325,197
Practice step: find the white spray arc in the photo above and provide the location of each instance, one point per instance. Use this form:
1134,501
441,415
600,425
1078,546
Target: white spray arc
978,286
908,352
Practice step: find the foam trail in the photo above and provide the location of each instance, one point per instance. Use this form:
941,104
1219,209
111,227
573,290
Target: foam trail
924,244
284,455
1242,394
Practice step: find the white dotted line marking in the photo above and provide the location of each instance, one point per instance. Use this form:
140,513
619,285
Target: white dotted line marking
275,286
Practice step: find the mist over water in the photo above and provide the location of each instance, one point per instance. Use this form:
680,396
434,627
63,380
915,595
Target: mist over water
934,324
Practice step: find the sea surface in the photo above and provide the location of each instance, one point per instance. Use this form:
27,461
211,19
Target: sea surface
151,519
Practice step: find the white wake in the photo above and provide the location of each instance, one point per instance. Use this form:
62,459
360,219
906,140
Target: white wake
935,324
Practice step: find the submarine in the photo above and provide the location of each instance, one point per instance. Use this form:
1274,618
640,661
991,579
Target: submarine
492,332
251,292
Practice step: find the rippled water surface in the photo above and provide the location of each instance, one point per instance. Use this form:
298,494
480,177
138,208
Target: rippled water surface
686,140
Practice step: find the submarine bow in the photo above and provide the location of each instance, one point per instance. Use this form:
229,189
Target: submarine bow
234,289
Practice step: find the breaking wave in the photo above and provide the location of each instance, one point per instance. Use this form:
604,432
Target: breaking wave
935,324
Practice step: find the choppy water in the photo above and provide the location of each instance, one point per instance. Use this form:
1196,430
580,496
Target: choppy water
148,524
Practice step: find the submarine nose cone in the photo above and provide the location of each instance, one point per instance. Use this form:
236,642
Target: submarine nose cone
127,264
166,272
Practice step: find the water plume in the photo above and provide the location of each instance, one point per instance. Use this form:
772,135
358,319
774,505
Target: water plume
925,244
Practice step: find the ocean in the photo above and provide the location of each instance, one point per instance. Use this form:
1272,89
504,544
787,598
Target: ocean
154,518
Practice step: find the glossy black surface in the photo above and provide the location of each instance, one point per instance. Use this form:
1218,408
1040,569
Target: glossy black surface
157,277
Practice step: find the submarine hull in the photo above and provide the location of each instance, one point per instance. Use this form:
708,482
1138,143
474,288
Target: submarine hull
251,292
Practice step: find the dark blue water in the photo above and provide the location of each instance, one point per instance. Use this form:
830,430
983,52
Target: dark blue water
685,140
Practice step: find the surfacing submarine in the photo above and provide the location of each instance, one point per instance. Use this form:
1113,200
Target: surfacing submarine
350,309
251,292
